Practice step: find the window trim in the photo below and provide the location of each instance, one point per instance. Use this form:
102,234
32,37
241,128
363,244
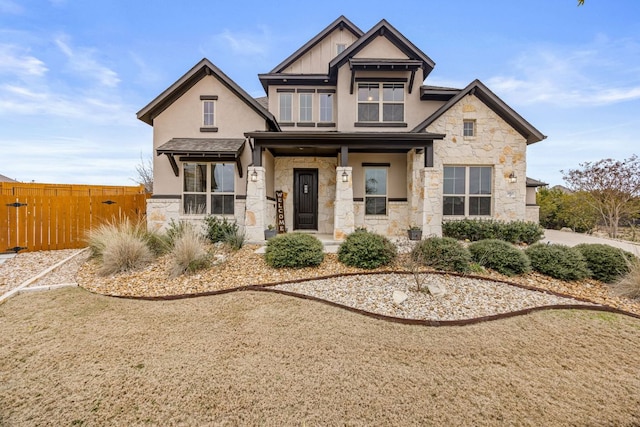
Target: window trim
209,192
214,108
281,95
306,95
385,168
473,128
467,196
330,97
381,104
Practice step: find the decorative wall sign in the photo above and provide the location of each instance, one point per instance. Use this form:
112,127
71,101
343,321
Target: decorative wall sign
280,212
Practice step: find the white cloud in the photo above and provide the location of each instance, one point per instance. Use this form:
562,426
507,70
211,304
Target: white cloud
246,44
15,61
82,60
596,74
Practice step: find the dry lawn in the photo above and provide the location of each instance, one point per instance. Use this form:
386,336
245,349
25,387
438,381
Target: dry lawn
68,357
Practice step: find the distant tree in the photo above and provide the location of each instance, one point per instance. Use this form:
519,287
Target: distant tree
559,209
611,187
144,169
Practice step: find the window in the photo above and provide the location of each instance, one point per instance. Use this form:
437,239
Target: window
306,107
326,107
380,102
208,117
467,190
340,47
286,107
208,182
375,189
469,128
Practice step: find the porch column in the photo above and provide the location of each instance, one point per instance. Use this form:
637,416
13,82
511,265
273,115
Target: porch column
415,190
255,211
432,203
343,217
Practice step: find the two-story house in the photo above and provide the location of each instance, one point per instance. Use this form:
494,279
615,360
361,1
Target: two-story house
348,136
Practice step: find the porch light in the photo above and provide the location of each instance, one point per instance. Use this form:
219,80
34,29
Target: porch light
513,178
254,176
345,176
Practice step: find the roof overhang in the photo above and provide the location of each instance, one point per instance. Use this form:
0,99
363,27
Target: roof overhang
202,149
295,79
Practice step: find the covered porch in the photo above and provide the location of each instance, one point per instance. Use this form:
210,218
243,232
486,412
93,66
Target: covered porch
320,182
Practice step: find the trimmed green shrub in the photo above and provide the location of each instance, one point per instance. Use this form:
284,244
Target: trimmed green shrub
606,263
219,229
442,253
558,261
483,229
295,250
500,256
363,249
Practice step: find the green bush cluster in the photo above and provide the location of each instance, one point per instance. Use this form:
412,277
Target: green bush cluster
558,261
363,249
219,229
294,250
606,263
442,253
482,229
500,256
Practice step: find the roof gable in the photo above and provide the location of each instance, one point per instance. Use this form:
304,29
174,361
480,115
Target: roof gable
491,100
187,81
384,29
342,23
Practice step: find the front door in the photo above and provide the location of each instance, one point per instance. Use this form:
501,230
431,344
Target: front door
305,199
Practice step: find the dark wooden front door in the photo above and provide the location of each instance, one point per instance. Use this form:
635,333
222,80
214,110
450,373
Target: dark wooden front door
305,199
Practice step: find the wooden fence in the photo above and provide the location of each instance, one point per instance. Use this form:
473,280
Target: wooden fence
37,217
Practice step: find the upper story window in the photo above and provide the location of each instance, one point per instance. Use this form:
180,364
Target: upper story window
340,47
469,128
380,102
286,107
467,190
306,107
326,107
208,113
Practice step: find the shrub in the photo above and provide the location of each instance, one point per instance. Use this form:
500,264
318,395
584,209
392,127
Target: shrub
558,261
500,256
124,252
218,229
235,239
363,249
629,285
606,263
483,229
442,253
189,254
295,250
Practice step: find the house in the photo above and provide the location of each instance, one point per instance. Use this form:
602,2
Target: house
6,179
348,136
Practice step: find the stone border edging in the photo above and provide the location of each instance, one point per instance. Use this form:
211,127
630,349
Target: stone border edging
267,287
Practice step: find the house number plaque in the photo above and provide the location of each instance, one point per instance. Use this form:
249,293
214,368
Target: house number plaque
280,212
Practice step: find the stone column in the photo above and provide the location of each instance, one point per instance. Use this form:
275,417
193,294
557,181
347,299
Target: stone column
415,190
432,202
343,217
256,206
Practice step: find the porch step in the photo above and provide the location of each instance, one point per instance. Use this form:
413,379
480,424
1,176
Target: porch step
330,245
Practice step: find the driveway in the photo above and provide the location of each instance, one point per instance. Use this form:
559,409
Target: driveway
570,238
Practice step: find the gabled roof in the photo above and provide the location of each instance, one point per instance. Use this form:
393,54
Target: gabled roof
340,23
535,183
187,81
477,88
384,29
6,179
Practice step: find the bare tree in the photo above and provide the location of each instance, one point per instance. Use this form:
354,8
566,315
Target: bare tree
145,174
612,187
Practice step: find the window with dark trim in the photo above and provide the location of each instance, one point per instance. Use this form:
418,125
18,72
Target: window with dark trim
469,128
375,190
208,188
467,190
208,116
326,107
286,107
380,102
306,107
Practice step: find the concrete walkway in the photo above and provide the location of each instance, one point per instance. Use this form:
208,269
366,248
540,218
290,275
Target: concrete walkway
570,238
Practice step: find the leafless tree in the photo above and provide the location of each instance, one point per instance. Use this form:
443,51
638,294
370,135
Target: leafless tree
145,173
611,186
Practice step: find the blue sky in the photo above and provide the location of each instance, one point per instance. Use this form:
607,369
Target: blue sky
73,74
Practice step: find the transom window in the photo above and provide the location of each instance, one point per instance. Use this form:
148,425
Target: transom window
208,116
375,189
286,107
467,190
469,128
380,102
326,107
208,188
306,107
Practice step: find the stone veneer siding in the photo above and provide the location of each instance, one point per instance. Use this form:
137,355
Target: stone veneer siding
160,212
395,223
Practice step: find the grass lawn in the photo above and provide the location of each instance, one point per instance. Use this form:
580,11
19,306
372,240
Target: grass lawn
68,357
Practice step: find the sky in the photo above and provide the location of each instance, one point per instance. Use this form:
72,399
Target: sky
73,74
